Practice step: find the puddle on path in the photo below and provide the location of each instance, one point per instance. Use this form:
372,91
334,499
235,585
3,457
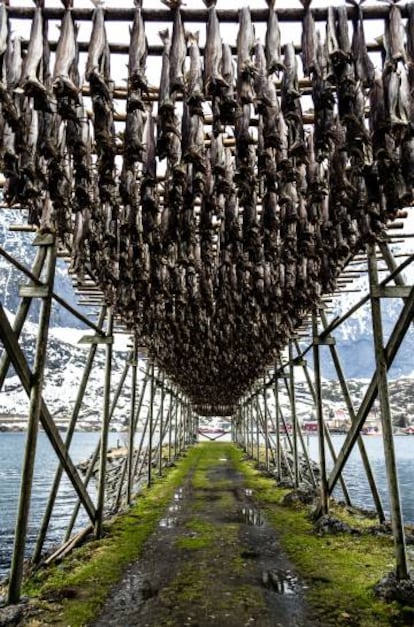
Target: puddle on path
171,520
252,517
282,582
168,522
178,496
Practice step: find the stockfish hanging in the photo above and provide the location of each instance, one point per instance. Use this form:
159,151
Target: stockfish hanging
214,219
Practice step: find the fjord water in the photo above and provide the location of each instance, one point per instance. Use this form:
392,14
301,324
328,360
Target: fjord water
11,456
11,453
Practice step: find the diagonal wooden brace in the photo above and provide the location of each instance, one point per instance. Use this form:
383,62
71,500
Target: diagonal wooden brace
15,353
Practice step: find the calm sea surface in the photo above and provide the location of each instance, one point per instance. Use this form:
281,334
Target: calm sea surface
11,452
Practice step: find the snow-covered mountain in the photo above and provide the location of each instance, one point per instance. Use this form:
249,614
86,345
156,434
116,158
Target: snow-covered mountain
65,365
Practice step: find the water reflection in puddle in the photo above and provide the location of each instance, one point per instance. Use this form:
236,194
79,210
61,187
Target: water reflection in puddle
171,520
168,522
282,582
178,496
252,517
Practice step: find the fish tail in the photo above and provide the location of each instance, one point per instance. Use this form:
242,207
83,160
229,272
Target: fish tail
165,36
172,4
306,3
210,3
68,4
271,3
138,4
192,37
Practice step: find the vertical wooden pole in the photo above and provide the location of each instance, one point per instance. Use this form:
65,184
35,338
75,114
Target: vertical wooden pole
293,414
16,572
266,434
132,423
277,411
176,425
151,424
170,424
386,419
161,439
105,428
319,416
257,430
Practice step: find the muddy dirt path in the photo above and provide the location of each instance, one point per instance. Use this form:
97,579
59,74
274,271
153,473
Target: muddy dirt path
212,561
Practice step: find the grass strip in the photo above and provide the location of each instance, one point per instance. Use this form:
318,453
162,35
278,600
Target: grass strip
71,593
339,570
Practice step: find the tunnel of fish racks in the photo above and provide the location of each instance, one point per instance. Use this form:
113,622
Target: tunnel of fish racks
210,175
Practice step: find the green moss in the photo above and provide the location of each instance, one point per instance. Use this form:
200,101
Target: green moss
82,582
339,571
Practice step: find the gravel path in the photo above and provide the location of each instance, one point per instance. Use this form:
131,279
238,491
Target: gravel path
212,561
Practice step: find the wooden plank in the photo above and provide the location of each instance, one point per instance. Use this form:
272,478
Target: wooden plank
391,291
33,291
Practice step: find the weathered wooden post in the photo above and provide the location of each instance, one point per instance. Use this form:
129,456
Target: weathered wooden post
266,429
161,439
277,416
132,423
319,416
293,414
105,427
151,423
386,418
45,293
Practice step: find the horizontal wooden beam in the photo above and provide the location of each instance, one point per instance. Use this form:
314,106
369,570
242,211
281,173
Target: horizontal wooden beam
320,14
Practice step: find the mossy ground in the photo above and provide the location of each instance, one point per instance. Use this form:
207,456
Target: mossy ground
340,570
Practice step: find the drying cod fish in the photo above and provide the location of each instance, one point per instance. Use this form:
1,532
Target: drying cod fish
194,89
133,137
394,33
31,67
272,41
66,55
9,102
137,51
227,102
178,47
342,31
166,118
97,51
398,96
245,43
308,39
213,79
410,32
364,68
290,82
332,44
4,28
